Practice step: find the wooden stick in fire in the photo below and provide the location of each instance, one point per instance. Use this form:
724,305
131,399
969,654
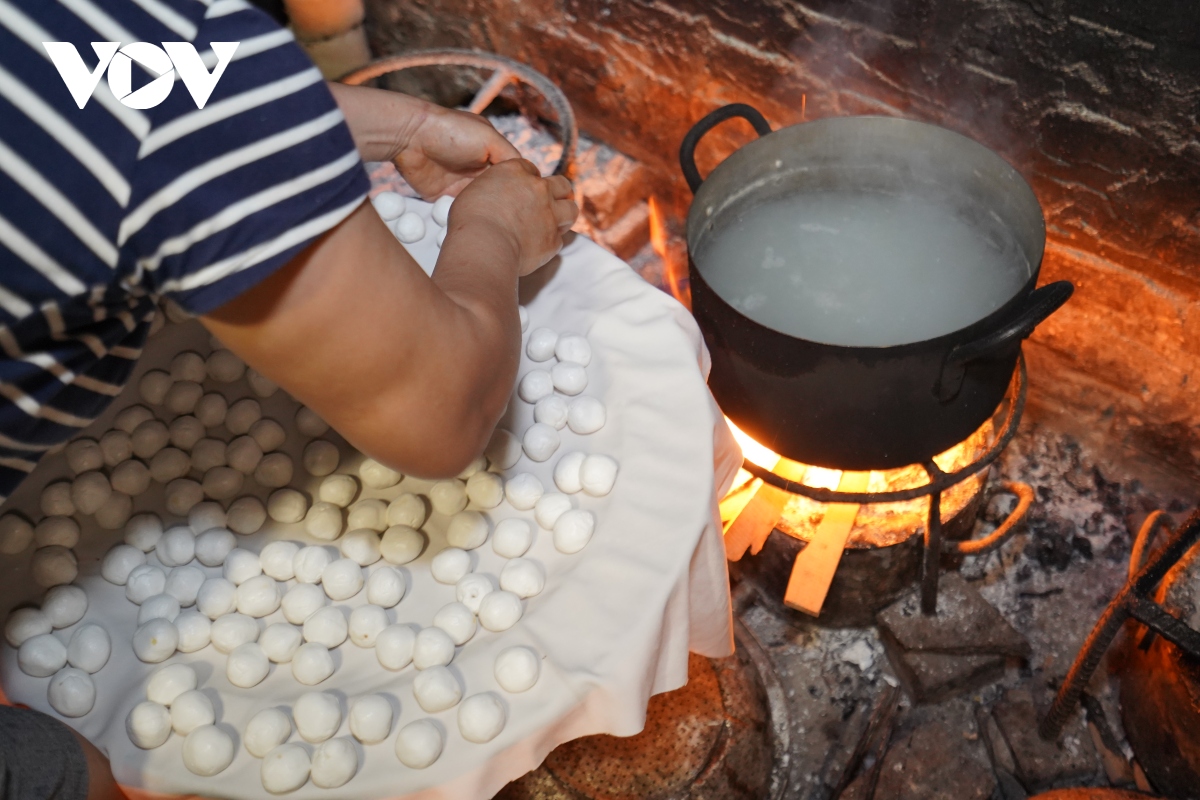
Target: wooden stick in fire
816,564
752,527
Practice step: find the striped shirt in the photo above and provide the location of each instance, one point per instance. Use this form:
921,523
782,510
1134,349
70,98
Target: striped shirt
106,210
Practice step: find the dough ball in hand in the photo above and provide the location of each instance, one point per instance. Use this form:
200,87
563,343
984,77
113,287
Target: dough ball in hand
419,743
441,210
207,751
389,205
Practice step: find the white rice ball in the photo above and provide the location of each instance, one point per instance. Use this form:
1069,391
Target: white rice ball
89,648
500,610
326,626
195,631
450,565
407,509
53,566
401,544
247,665
409,227
155,641
71,692
342,579
566,473
549,508
217,597
573,348
320,458
586,415
25,623
334,763
371,718
310,563
541,344
41,656
448,497
377,476
231,631
15,533
258,596
436,689
551,410
523,491
183,583
433,648
278,560
535,385
190,710
389,205
148,725
242,415
504,449
441,210
312,663
517,669
285,505
523,316
467,530
419,743
457,620
371,513
573,530
168,682
285,769
338,489
512,537
318,716
207,751
65,605
144,582
366,622
247,515
481,717
265,731
119,562
471,589
385,587
143,532
570,379
214,546
160,606
540,441
241,565
323,521
597,474
176,547
301,600
394,646
361,546
523,577
269,434
280,641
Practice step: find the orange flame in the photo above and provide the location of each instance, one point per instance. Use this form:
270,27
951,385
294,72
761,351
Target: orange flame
674,271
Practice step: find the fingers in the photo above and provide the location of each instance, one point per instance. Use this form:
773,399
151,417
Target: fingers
560,187
565,213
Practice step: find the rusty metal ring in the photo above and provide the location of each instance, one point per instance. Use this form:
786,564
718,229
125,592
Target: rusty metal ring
505,71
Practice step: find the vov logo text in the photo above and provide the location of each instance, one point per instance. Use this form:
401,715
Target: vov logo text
163,62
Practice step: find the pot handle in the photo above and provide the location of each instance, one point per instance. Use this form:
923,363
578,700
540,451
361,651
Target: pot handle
1039,305
687,150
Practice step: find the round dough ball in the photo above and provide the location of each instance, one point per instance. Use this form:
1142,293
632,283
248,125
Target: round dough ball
148,438
456,620
210,411
285,769
190,710
549,508
371,718
323,521
436,689
389,205
471,589
441,210
551,410
318,716
409,227
278,560
222,483
185,431
480,463
217,597
334,763
285,505
160,606
342,579
504,449
385,587
188,366
540,441
573,530
25,623
257,597
247,515
394,646
144,582
53,566
280,642
195,631
131,478
148,725
326,626
523,315
512,538
269,434
450,565
535,385
312,663
275,471
15,533
41,656
89,491
366,622
182,397
129,418
83,455
242,415
183,583
63,531
574,349
260,384
214,546
523,577
155,641
114,513
401,544
523,491
361,546
223,366
301,600
181,495
72,692
419,743
500,610
338,489
207,751
517,669
89,648
265,731
448,497
309,423
231,631
597,474
176,547
570,379
485,489
169,682
244,454
566,473
377,476
368,514
119,562
467,530
310,563
143,532
481,717
542,342
116,447
320,458
407,509
206,516
247,665
55,500
241,565
65,605
586,415
154,385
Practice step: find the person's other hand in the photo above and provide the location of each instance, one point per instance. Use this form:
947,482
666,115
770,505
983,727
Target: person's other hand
449,149
531,212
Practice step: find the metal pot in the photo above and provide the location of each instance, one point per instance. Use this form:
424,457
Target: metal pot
856,407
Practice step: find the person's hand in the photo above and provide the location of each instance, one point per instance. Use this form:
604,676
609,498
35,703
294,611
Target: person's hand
530,212
449,149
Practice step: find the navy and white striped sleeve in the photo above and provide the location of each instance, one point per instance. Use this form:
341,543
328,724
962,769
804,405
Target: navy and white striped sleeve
224,195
